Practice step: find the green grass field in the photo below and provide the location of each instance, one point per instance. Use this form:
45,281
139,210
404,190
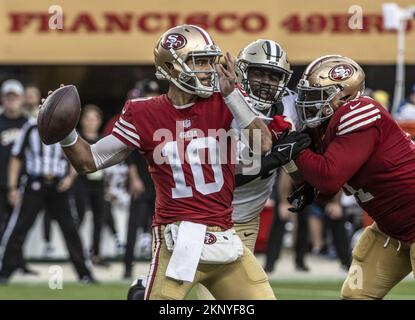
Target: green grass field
285,290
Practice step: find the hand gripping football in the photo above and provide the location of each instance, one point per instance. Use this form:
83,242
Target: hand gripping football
59,114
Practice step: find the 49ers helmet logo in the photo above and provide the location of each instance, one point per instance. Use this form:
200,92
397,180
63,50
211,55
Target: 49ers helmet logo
174,41
341,72
210,238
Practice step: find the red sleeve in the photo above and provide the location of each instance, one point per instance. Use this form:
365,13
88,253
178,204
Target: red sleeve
342,159
125,129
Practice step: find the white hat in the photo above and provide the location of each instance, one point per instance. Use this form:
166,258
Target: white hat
12,85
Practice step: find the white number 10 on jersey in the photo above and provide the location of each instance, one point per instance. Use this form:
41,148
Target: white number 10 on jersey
181,190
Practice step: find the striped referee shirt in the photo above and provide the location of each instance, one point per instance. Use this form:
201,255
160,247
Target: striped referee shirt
40,160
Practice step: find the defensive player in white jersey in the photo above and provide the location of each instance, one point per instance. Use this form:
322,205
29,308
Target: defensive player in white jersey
264,72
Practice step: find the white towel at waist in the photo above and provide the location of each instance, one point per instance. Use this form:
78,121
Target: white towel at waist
187,251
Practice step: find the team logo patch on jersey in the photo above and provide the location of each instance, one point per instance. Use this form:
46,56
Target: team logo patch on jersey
210,238
174,41
341,72
187,123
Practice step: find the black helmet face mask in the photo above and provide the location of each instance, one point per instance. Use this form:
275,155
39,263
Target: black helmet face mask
265,84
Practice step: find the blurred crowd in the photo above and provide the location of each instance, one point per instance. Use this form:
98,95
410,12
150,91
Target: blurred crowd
325,229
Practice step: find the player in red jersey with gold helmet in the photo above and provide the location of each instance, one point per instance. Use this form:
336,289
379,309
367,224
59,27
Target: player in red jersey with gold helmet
360,148
184,137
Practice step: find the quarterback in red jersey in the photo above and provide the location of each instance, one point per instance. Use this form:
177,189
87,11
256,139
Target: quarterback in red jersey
191,166
360,148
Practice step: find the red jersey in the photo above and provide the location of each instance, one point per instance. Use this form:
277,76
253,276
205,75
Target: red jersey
188,188
364,151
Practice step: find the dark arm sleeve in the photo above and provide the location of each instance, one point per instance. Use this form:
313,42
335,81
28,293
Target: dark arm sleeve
267,164
241,179
342,159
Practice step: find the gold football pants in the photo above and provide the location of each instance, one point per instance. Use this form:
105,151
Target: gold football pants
242,279
379,263
248,232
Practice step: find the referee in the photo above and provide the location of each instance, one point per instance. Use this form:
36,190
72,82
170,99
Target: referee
48,179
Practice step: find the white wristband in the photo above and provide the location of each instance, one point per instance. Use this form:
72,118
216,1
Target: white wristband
69,140
290,167
240,108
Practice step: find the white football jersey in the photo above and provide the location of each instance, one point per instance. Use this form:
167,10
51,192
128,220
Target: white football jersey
249,199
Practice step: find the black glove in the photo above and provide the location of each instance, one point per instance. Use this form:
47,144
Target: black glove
302,197
288,146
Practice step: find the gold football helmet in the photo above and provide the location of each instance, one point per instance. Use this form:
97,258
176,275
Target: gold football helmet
327,83
263,54
176,48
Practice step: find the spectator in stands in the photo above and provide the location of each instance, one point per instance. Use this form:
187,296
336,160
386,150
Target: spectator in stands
382,97
89,189
32,98
11,122
407,110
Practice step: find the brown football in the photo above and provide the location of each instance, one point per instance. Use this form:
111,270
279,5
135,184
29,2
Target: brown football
59,114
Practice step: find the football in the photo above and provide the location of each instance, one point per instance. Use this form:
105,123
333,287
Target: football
59,114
